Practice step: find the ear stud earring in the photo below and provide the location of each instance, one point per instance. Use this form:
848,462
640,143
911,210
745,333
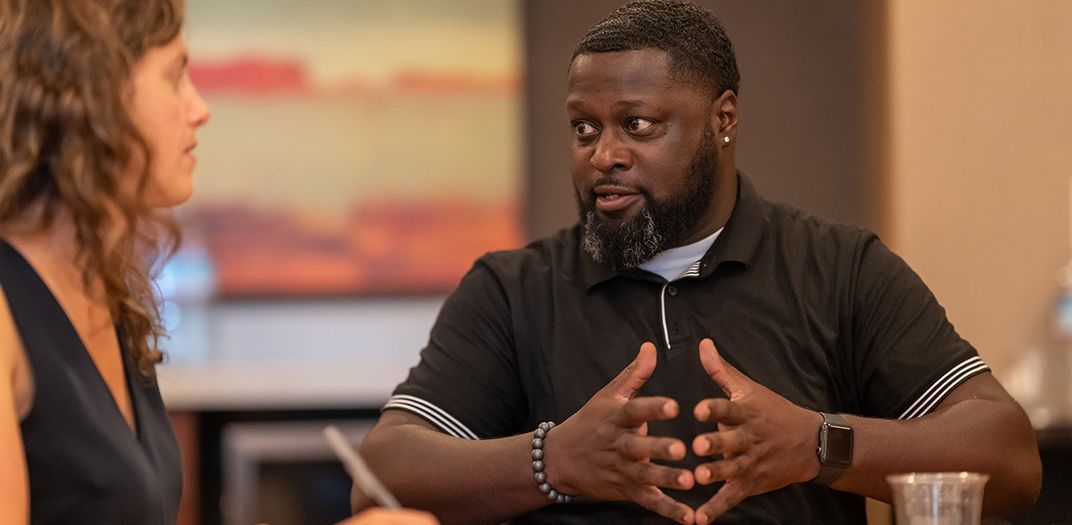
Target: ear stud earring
726,140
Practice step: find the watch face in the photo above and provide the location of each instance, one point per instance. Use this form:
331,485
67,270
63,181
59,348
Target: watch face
838,449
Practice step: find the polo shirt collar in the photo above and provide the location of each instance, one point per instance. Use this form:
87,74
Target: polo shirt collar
740,241
737,243
592,273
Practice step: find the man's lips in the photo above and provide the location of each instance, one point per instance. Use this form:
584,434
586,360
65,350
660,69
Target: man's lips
611,199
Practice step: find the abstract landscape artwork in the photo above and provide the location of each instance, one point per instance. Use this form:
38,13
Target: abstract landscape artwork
356,146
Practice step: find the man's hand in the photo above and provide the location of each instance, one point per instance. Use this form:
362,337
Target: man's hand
766,442
604,451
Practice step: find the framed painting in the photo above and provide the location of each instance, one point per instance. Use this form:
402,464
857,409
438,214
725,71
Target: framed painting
356,146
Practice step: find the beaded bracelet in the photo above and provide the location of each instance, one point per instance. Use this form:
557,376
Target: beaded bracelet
537,464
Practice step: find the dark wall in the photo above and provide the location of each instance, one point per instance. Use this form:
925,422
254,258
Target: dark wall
811,103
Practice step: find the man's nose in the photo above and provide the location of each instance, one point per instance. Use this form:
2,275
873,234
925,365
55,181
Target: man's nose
611,154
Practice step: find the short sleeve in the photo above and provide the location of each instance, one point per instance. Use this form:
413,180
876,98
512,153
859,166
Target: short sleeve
907,354
466,383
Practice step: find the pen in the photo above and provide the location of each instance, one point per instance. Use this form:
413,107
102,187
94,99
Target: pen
358,470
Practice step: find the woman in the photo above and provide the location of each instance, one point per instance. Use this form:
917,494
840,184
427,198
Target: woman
98,123
97,127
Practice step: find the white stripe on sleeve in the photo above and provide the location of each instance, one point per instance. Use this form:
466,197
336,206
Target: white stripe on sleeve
435,415
943,386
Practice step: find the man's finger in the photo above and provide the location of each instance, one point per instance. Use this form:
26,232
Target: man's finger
637,448
723,442
723,469
646,473
719,410
727,497
640,410
728,378
635,374
654,500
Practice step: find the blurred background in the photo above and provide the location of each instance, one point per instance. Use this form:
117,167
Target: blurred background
363,153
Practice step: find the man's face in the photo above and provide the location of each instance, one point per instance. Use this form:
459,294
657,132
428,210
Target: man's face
644,155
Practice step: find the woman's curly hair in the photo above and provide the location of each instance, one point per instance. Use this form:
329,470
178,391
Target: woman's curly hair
67,138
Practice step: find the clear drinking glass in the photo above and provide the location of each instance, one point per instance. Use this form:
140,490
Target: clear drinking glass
937,498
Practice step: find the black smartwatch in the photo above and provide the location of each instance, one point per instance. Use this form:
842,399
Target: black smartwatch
835,448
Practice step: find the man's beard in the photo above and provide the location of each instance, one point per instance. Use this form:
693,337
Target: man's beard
661,224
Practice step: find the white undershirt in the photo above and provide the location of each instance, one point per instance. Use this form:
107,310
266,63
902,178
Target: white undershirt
670,264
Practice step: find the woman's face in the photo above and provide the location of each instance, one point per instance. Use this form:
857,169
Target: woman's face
167,110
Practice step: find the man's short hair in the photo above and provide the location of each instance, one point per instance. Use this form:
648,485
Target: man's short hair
694,39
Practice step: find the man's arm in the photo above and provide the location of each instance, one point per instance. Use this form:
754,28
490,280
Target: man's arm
768,443
602,452
977,428
458,480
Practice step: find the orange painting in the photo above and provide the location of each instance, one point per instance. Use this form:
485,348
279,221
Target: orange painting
356,146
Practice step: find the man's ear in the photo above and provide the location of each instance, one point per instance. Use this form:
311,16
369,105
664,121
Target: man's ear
724,117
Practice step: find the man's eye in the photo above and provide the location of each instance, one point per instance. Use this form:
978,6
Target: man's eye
584,129
638,124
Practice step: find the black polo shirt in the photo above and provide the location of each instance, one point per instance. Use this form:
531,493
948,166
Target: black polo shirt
821,313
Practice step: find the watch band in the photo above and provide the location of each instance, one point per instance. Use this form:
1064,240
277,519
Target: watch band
832,467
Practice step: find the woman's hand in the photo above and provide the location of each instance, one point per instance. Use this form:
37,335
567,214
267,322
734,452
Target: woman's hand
381,516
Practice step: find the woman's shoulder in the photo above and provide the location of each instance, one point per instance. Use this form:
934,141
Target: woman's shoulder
13,481
9,337
15,373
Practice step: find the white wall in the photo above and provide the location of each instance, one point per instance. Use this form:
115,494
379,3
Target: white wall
980,159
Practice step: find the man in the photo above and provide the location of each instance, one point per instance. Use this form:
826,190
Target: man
834,366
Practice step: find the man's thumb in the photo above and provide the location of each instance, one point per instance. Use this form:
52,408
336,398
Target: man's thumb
723,373
633,376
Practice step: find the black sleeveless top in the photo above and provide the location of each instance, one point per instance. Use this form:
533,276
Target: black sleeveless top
85,463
